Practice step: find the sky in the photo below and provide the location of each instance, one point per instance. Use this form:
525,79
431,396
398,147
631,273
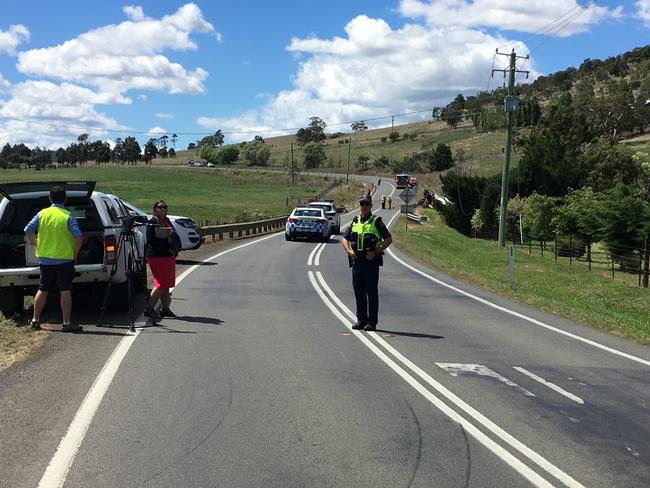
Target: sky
113,68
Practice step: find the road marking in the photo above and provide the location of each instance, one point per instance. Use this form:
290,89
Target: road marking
552,386
57,470
512,461
458,369
520,315
320,251
311,254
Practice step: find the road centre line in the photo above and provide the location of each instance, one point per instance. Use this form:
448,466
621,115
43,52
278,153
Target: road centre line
552,386
521,315
311,255
320,251
57,470
515,463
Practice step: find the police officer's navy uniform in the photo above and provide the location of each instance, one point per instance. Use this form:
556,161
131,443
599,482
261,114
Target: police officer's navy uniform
366,234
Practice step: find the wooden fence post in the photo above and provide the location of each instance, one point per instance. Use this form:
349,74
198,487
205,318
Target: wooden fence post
646,261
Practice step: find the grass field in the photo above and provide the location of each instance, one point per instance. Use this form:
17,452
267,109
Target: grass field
476,153
569,291
204,194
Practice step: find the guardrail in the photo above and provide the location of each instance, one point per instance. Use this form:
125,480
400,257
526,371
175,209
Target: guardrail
416,218
242,229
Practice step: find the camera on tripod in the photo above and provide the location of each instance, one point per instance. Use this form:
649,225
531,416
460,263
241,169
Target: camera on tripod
131,221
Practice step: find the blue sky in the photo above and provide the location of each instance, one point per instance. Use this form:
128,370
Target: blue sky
246,67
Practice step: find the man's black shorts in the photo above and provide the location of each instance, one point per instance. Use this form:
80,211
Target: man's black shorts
57,276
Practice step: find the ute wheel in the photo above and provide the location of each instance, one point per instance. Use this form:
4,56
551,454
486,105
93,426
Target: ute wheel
13,303
287,237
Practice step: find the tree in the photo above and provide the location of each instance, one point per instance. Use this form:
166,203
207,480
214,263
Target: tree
577,218
394,136
538,214
642,159
359,126
172,152
117,154
363,162
315,132
132,151
605,163
257,153
102,152
259,138
163,153
60,156
5,156
314,155
174,137
229,154
191,146
162,141
150,151
442,158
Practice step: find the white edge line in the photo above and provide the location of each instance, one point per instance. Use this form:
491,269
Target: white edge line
57,470
498,450
498,431
520,315
552,386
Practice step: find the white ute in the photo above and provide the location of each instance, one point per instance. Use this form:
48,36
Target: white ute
100,218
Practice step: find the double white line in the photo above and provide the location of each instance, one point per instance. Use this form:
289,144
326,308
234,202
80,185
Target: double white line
470,419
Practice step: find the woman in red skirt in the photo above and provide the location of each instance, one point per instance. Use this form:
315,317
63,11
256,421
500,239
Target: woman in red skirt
162,260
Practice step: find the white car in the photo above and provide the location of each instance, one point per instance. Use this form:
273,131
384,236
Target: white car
330,213
307,222
186,230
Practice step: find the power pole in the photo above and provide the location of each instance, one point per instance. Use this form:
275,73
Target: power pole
510,107
347,176
293,168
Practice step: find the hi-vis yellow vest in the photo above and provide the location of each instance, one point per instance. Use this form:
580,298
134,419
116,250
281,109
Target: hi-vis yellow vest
54,239
362,229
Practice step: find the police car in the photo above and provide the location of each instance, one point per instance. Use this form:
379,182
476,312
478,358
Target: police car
330,213
307,222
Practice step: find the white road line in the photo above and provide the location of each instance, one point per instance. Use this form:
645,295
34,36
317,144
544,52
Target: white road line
317,258
458,369
476,415
516,464
311,254
552,386
57,470
520,315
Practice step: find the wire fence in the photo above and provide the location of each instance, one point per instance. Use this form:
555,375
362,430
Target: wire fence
631,263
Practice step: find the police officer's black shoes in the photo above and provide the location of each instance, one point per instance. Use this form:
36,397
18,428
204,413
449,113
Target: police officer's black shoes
71,328
359,326
370,328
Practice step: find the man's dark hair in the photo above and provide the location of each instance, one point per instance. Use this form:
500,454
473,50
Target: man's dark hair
57,195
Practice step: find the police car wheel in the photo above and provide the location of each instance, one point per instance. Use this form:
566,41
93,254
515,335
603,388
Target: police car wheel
288,237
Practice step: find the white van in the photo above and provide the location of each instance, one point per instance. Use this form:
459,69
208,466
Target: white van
100,216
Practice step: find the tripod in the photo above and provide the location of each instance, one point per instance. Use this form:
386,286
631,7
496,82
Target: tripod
133,264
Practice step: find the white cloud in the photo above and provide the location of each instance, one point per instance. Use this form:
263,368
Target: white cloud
57,114
529,16
240,128
10,39
156,131
5,86
643,11
163,115
127,55
376,70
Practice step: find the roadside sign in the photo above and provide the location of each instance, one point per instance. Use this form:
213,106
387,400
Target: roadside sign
407,208
407,194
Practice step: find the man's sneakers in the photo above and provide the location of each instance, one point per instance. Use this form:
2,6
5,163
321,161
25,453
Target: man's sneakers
359,326
370,328
35,324
71,328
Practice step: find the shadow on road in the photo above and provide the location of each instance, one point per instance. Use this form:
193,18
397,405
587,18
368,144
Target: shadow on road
411,334
191,262
200,320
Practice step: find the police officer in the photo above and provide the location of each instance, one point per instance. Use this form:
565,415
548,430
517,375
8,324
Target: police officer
57,244
364,242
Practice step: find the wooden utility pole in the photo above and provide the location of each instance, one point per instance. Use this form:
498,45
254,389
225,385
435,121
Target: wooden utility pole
510,107
293,168
347,176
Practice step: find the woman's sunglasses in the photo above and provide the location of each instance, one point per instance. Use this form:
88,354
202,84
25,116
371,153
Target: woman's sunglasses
162,206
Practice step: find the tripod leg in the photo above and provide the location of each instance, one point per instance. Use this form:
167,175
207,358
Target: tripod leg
111,275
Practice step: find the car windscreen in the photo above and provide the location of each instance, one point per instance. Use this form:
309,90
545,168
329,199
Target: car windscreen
307,213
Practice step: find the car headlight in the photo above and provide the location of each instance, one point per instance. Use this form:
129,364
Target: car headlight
187,223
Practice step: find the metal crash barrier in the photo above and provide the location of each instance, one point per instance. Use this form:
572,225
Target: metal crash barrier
242,229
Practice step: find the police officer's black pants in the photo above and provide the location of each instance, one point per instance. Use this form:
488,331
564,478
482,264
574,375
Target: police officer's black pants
365,278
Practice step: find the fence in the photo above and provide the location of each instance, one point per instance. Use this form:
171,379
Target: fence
628,261
242,229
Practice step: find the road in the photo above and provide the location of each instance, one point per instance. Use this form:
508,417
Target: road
261,382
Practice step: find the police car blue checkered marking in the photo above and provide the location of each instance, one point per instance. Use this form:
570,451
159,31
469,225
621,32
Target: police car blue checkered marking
307,225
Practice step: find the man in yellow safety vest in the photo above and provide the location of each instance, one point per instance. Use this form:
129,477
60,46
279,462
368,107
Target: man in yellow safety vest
365,242
57,244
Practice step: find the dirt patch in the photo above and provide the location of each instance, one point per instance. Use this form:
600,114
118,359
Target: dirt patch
17,343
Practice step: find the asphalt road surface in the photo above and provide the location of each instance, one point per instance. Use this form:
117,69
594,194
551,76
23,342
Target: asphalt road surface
261,382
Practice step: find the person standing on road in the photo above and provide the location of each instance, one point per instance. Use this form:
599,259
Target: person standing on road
162,261
390,202
383,201
365,242
57,244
